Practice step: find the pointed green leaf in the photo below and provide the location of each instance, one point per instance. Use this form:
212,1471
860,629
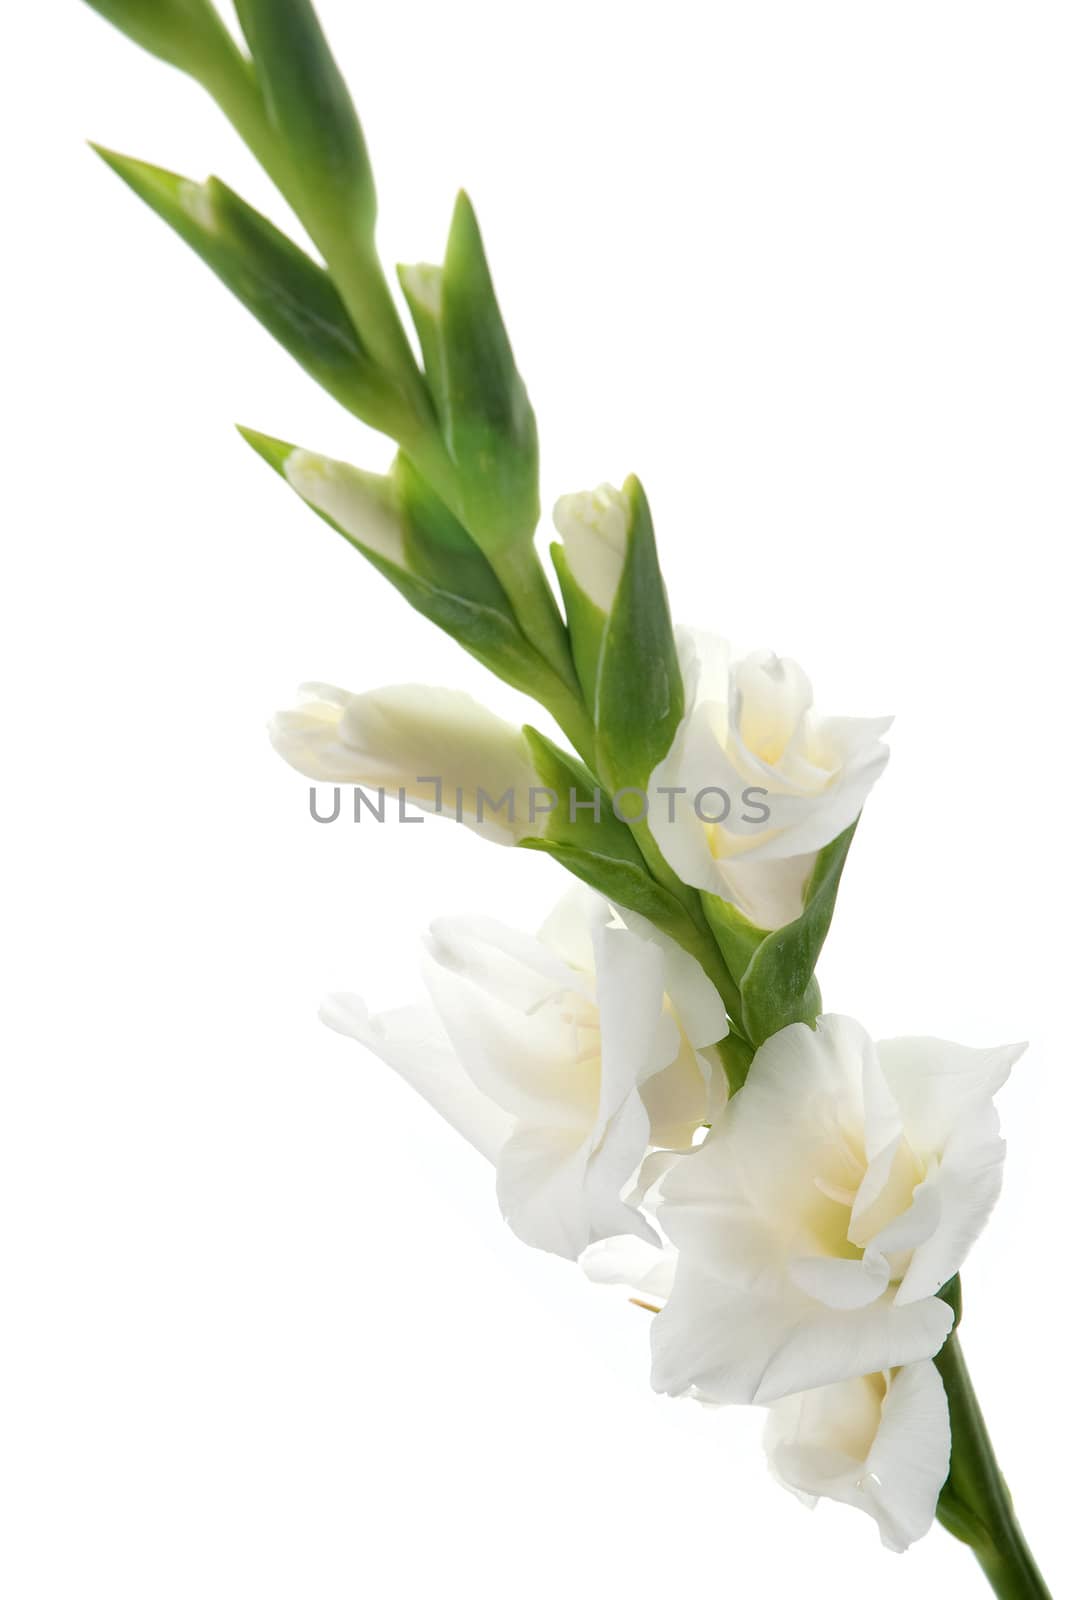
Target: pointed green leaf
778,986
409,536
422,286
487,425
583,821
310,108
640,693
286,291
738,939
490,426
587,625
186,33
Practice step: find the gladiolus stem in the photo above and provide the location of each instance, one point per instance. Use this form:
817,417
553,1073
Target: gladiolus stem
975,1504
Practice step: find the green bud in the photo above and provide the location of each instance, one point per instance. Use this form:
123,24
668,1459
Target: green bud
289,293
620,629
310,109
777,986
401,527
186,33
487,422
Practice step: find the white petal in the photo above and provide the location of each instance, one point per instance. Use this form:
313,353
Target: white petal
540,1184
594,528
770,696
638,1037
560,1196
945,1093
512,1010
699,1007
880,1446
965,1186
413,1042
568,929
742,1345
937,1083
631,1263
361,505
842,1285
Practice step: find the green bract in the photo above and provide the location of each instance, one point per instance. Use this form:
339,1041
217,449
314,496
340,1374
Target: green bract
289,293
186,33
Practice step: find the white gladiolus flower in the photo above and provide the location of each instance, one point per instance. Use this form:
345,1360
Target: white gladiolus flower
793,780
880,1443
439,747
561,1058
841,1188
594,528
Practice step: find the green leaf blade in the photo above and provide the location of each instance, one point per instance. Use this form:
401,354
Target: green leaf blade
310,108
289,294
640,691
779,987
187,34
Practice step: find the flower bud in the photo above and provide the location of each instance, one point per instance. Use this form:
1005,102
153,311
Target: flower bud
594,527
437,749
309,105
618,615
363,506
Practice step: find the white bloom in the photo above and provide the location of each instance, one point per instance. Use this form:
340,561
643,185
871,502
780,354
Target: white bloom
594,528
560,1057
439,746
794,781
841,1188
880,1443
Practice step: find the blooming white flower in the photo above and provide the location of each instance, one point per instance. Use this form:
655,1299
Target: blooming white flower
594,528
880,1443
562,1058
841,1188
794,781
440,746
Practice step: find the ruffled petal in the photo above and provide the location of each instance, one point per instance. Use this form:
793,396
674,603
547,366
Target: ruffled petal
414,1043
879,1445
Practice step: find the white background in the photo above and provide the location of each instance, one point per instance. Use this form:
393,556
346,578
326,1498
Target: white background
805,269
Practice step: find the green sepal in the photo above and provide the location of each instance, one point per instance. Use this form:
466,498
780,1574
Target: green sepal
587,625
442,574
639,698
952,1295
309,107
735,1055
738,939
488,424
600,836
288,293
778,986
422,286
187,34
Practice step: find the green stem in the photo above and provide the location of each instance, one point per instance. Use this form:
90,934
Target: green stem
355,272
975,1504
